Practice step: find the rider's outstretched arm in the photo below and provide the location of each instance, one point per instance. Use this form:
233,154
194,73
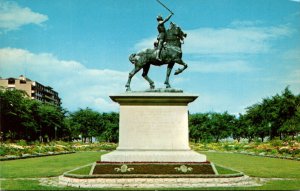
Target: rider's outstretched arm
167,18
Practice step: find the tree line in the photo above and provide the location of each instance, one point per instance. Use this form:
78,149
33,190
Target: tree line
274,117
31,120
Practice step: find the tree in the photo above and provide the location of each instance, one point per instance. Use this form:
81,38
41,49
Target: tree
23,118
51,121
275,116
199,129
70,132
16,120
110,125
291,126
256,119
221,125
289,114
240,128
87,122
208,126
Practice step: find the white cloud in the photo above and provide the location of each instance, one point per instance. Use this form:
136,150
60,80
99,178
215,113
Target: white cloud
229,49
292,55
245,23
214,102
12,16
236,66
242,40
242,37
291,58
145,43
298,1
78,86
294,77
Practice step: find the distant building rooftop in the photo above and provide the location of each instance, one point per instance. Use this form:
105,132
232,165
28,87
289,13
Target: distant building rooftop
33,89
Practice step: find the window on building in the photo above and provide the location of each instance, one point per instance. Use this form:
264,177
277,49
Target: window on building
22,81
11,81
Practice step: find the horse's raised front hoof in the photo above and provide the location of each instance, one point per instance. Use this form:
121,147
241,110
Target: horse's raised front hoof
177,72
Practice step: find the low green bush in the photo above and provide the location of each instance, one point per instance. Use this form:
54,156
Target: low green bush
22,142
276,142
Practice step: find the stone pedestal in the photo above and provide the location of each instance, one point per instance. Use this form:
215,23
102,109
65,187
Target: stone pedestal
153,128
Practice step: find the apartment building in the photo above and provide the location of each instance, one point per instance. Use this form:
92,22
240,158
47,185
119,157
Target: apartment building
33,89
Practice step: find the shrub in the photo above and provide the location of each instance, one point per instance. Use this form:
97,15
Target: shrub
3,150
274,152
22,142
276,142
107,146
283,150
228,147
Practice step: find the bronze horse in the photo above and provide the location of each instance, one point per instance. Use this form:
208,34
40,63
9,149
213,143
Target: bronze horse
170,54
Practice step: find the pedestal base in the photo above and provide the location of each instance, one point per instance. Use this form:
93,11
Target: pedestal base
153,156
153,128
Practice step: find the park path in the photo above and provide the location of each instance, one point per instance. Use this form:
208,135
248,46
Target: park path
158,183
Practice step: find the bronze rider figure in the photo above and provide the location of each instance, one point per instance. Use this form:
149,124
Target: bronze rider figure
162,32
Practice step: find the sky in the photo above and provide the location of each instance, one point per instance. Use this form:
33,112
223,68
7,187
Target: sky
238,51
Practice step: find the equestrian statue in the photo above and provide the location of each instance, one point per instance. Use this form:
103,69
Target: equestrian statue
166,50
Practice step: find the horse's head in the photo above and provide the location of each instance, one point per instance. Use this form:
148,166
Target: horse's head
175,33
177,30
132,58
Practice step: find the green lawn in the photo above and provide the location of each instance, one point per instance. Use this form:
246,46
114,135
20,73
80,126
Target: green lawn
46,166
262,167
257,166
57,165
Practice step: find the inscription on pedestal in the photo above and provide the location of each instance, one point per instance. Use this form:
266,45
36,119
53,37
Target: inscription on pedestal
153,128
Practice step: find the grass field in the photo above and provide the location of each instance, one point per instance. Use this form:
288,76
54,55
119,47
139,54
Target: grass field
24,174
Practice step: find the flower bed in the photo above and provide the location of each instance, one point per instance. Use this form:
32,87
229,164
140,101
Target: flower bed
275,148
21,149
25,156
152,168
